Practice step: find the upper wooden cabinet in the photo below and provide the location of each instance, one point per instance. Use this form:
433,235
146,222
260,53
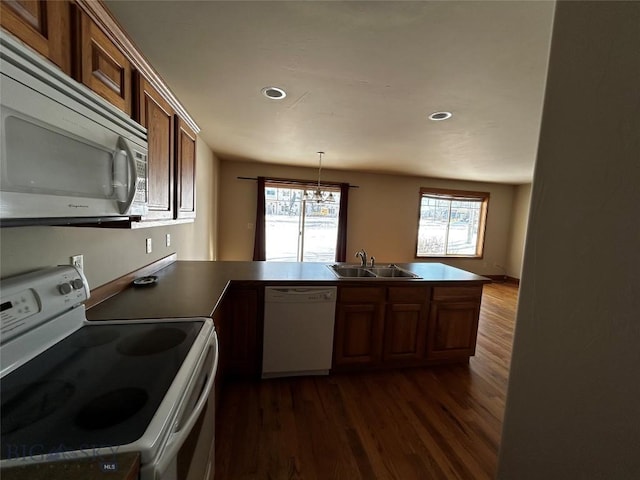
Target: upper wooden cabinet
185,170
100,65
155,113
84,40
43,25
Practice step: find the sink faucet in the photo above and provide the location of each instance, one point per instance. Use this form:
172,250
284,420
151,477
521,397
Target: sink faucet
363,257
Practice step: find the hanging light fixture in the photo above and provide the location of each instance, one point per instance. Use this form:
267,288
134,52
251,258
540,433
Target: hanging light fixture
317,195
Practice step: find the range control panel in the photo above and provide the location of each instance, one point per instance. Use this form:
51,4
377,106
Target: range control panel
33,298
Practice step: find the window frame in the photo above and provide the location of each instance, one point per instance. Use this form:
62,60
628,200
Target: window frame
259,247
452,195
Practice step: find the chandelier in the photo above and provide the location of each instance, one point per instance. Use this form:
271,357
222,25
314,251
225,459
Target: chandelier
317,196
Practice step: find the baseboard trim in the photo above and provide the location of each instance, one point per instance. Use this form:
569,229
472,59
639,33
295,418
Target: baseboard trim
515,281
108,290
503,279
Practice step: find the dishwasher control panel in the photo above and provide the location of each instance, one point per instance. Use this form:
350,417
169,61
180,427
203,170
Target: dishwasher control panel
300,294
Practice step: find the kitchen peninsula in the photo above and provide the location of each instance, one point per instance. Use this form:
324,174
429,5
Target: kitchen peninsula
380,322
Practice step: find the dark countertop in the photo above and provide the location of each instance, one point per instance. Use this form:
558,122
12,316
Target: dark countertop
194,288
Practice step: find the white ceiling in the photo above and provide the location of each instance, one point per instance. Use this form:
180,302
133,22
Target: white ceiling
361,78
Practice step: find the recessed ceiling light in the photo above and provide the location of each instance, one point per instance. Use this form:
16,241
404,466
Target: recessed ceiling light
437,116
274,93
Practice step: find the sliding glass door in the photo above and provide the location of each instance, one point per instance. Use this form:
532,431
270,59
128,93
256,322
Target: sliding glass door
298,229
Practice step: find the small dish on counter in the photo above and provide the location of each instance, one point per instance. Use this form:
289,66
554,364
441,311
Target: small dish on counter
147,281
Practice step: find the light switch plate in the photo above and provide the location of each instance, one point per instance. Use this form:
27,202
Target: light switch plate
149,246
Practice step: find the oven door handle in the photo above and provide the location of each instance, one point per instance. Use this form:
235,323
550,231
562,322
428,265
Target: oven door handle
177,438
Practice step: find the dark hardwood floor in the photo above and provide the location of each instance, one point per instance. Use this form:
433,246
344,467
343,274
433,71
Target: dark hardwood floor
425,423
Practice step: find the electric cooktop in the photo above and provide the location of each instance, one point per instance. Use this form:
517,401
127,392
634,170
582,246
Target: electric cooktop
98,387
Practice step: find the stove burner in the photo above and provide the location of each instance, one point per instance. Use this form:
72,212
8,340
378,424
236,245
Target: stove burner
31,402
155,341
111,408
94,337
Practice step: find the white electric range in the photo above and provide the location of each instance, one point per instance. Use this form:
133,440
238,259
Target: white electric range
73,389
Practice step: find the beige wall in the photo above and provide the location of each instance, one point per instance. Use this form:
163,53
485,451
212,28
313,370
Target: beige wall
573,409
383,213
111,253
519,219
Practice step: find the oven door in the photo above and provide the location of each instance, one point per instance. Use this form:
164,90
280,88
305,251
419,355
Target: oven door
189,451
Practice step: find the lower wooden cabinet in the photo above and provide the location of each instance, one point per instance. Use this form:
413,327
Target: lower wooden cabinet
453,322
380,326
375,327
453,327
405,326
396,326
359,326
239,326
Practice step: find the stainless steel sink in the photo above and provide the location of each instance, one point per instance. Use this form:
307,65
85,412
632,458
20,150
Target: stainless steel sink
392,271
382,272
351,272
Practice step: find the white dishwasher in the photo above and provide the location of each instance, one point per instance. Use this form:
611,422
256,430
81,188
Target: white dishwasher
298,331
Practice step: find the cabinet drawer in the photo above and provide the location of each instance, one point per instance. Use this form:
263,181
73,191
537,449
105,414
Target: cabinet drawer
457,293
361,294
408,294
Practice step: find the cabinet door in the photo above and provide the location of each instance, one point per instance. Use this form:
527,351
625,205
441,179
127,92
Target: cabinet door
405,325
240,332
405,333
358,336
185,170
359,327
155,113
102,66
453,328
43,25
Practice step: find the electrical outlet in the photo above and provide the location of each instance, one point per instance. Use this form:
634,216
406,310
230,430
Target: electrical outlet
168,238
78,262
149,246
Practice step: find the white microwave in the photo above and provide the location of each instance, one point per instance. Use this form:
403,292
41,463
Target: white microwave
65,153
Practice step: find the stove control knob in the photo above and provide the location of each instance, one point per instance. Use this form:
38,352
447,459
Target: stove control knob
65,288
77,283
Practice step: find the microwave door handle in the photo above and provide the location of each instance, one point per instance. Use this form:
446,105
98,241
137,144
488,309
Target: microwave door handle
123,145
